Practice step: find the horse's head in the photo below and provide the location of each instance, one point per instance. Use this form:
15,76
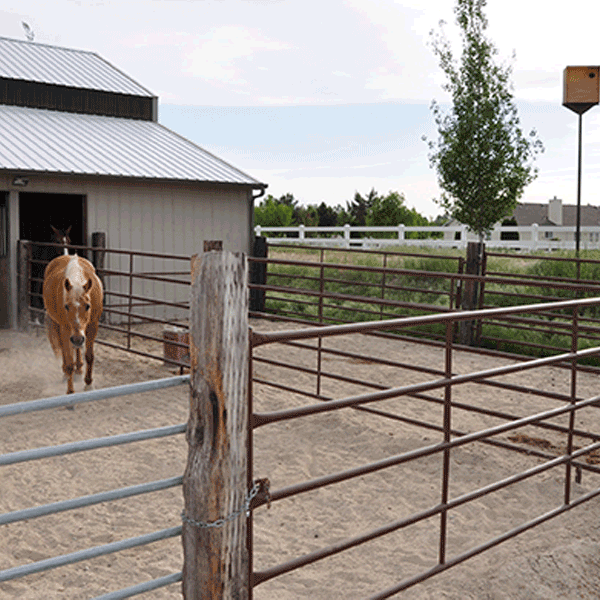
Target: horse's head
61,237
78,312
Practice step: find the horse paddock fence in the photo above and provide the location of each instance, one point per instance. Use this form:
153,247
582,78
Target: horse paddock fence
266,407
39,454
546,431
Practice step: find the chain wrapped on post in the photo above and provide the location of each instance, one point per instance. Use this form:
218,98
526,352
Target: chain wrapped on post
260,488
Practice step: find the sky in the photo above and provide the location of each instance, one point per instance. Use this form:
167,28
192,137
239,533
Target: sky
322,99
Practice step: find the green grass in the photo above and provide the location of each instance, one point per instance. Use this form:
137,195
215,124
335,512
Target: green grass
363,288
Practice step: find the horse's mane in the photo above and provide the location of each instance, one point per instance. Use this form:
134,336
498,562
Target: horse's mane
74,272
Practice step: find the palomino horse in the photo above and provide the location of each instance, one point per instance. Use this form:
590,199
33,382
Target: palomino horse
73,300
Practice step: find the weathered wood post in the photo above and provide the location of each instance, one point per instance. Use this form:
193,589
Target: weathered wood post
98,255
215,486
23,282
470,292
258,275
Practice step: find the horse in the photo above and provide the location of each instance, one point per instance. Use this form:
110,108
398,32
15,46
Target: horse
61,237
72,293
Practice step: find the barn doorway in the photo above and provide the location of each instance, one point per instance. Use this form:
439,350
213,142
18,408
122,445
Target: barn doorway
37,212
4,263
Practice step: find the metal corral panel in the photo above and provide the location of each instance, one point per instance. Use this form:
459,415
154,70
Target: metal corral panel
47,141
62,66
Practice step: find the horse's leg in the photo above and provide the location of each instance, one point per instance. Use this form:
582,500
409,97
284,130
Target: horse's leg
90,336
69,368
79,362
68,363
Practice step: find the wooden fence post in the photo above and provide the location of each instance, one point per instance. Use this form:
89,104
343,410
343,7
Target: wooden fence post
215,485
99,242
470,290
258,275
23,271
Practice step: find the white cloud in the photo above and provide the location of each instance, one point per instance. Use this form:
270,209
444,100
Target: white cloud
215,56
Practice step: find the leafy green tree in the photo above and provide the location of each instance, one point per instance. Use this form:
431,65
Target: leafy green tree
391,210
482,158
289,200
272,213
307,215
386,210
327,215
359,207
343,216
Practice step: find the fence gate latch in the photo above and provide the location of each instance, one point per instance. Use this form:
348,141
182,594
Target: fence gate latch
263,493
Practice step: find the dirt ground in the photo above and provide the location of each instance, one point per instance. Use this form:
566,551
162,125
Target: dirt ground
558,560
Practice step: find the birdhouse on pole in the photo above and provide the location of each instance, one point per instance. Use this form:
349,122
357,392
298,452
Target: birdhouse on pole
581,88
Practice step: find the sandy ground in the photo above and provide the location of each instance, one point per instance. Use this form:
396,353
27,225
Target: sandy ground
557,560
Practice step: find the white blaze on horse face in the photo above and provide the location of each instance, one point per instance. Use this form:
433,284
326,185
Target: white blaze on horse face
76,300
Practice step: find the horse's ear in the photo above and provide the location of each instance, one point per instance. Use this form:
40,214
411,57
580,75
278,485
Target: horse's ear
68,285
54,229
68,230
88,286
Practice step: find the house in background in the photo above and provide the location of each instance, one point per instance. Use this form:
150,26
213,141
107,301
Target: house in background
541,223
82,147
555,216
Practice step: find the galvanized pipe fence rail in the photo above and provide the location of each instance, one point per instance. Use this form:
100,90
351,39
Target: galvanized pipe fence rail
558,278
35,454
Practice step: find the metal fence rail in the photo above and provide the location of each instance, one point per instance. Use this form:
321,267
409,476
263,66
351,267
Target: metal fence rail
332,289
71,504
572,460
138,290
443,380
329,286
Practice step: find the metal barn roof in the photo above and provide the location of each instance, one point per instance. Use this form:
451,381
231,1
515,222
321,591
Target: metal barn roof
53,65
33,140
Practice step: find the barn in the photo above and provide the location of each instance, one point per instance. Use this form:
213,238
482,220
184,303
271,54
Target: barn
82,148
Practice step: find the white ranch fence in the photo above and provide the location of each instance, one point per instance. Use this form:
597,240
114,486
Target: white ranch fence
530,238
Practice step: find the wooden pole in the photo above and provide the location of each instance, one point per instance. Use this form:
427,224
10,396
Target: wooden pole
258,275
23,259
99,242
469,296
215,483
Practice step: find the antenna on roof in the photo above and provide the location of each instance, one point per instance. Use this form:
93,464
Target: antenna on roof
28,31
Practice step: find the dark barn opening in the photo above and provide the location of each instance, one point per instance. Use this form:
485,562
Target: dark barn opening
38,212
4,262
